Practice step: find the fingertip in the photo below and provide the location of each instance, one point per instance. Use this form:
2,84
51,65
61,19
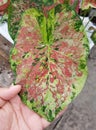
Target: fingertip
8,93
15,88
45,123
18,87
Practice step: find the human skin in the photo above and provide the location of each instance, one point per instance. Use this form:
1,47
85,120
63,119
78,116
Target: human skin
14,115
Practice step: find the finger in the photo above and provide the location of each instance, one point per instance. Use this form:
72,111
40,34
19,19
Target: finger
8,93
2,102
45,123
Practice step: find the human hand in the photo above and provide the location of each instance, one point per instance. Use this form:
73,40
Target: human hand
14,115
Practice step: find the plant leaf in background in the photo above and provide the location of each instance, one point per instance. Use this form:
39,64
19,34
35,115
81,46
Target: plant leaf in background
93,37
3,6
92,16
85,4
49,59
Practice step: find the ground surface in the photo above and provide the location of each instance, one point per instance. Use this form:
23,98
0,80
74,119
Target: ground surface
81,114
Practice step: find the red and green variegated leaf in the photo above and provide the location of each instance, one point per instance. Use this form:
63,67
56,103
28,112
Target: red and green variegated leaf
15,10
2,2
17,7
3,5
88,3
52,72
73,3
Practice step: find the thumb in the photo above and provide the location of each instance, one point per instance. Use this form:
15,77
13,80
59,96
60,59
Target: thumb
8,93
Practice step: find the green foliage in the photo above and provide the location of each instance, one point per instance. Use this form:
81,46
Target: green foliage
77,25
43,2
93,37
4,18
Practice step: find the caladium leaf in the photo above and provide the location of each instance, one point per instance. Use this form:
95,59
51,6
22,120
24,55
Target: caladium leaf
15,10
75,4
17,7
49,59
4,4
85,4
